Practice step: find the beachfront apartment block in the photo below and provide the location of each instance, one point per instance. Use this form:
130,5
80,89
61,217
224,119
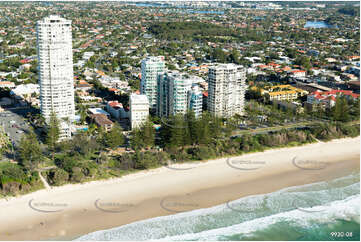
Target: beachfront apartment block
151,67
56,80
195,100
226,89
139,110
173,94
176,94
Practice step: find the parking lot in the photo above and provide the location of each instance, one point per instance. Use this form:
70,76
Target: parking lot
14,125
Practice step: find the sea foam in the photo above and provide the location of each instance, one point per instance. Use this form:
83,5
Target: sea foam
320,202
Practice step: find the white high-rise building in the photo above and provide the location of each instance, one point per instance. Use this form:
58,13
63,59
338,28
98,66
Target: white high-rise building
226,89
55,58
151,67
173,88
139,110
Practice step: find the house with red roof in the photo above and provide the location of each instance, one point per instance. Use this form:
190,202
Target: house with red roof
116,110
114,90
328,99
298,73
7,84
25,61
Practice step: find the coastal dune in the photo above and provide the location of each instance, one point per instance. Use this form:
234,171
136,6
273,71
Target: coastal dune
67,212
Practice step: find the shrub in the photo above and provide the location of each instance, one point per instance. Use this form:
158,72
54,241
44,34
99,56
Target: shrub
58,176
77,175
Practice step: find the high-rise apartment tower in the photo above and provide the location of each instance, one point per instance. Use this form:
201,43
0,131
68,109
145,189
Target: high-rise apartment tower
226,89
151,67
55,59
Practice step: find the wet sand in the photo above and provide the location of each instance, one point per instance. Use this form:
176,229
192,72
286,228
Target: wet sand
67,212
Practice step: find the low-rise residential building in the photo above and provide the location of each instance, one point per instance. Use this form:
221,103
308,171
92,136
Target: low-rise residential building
139,110
116,110
85,97
25,89
98,111
65,130
328,99
83,86
283,92
101,120
7,84
298,73
87,55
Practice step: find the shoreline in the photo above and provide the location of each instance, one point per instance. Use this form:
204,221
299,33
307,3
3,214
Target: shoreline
165,191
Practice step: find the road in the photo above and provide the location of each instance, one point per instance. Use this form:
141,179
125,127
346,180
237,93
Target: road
14,125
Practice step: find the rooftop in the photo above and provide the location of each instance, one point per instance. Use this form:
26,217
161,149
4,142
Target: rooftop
98,111
154,58
220,66
101,119
138,98
322,95
54,19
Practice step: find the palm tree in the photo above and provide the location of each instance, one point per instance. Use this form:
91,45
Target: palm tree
82,112
91,129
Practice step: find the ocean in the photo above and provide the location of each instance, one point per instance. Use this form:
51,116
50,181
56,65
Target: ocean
318,211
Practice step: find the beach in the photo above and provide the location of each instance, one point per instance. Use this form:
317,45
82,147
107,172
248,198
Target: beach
67,212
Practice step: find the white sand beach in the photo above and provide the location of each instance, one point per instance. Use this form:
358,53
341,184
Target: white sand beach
73,210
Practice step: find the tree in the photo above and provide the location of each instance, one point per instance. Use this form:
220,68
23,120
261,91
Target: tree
83,144
29,151
205,137
341,110
114,137
234,57
215,126
303,61
137,140
144,136
194,128
148,134
82,112
177,131
53,133
219,55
